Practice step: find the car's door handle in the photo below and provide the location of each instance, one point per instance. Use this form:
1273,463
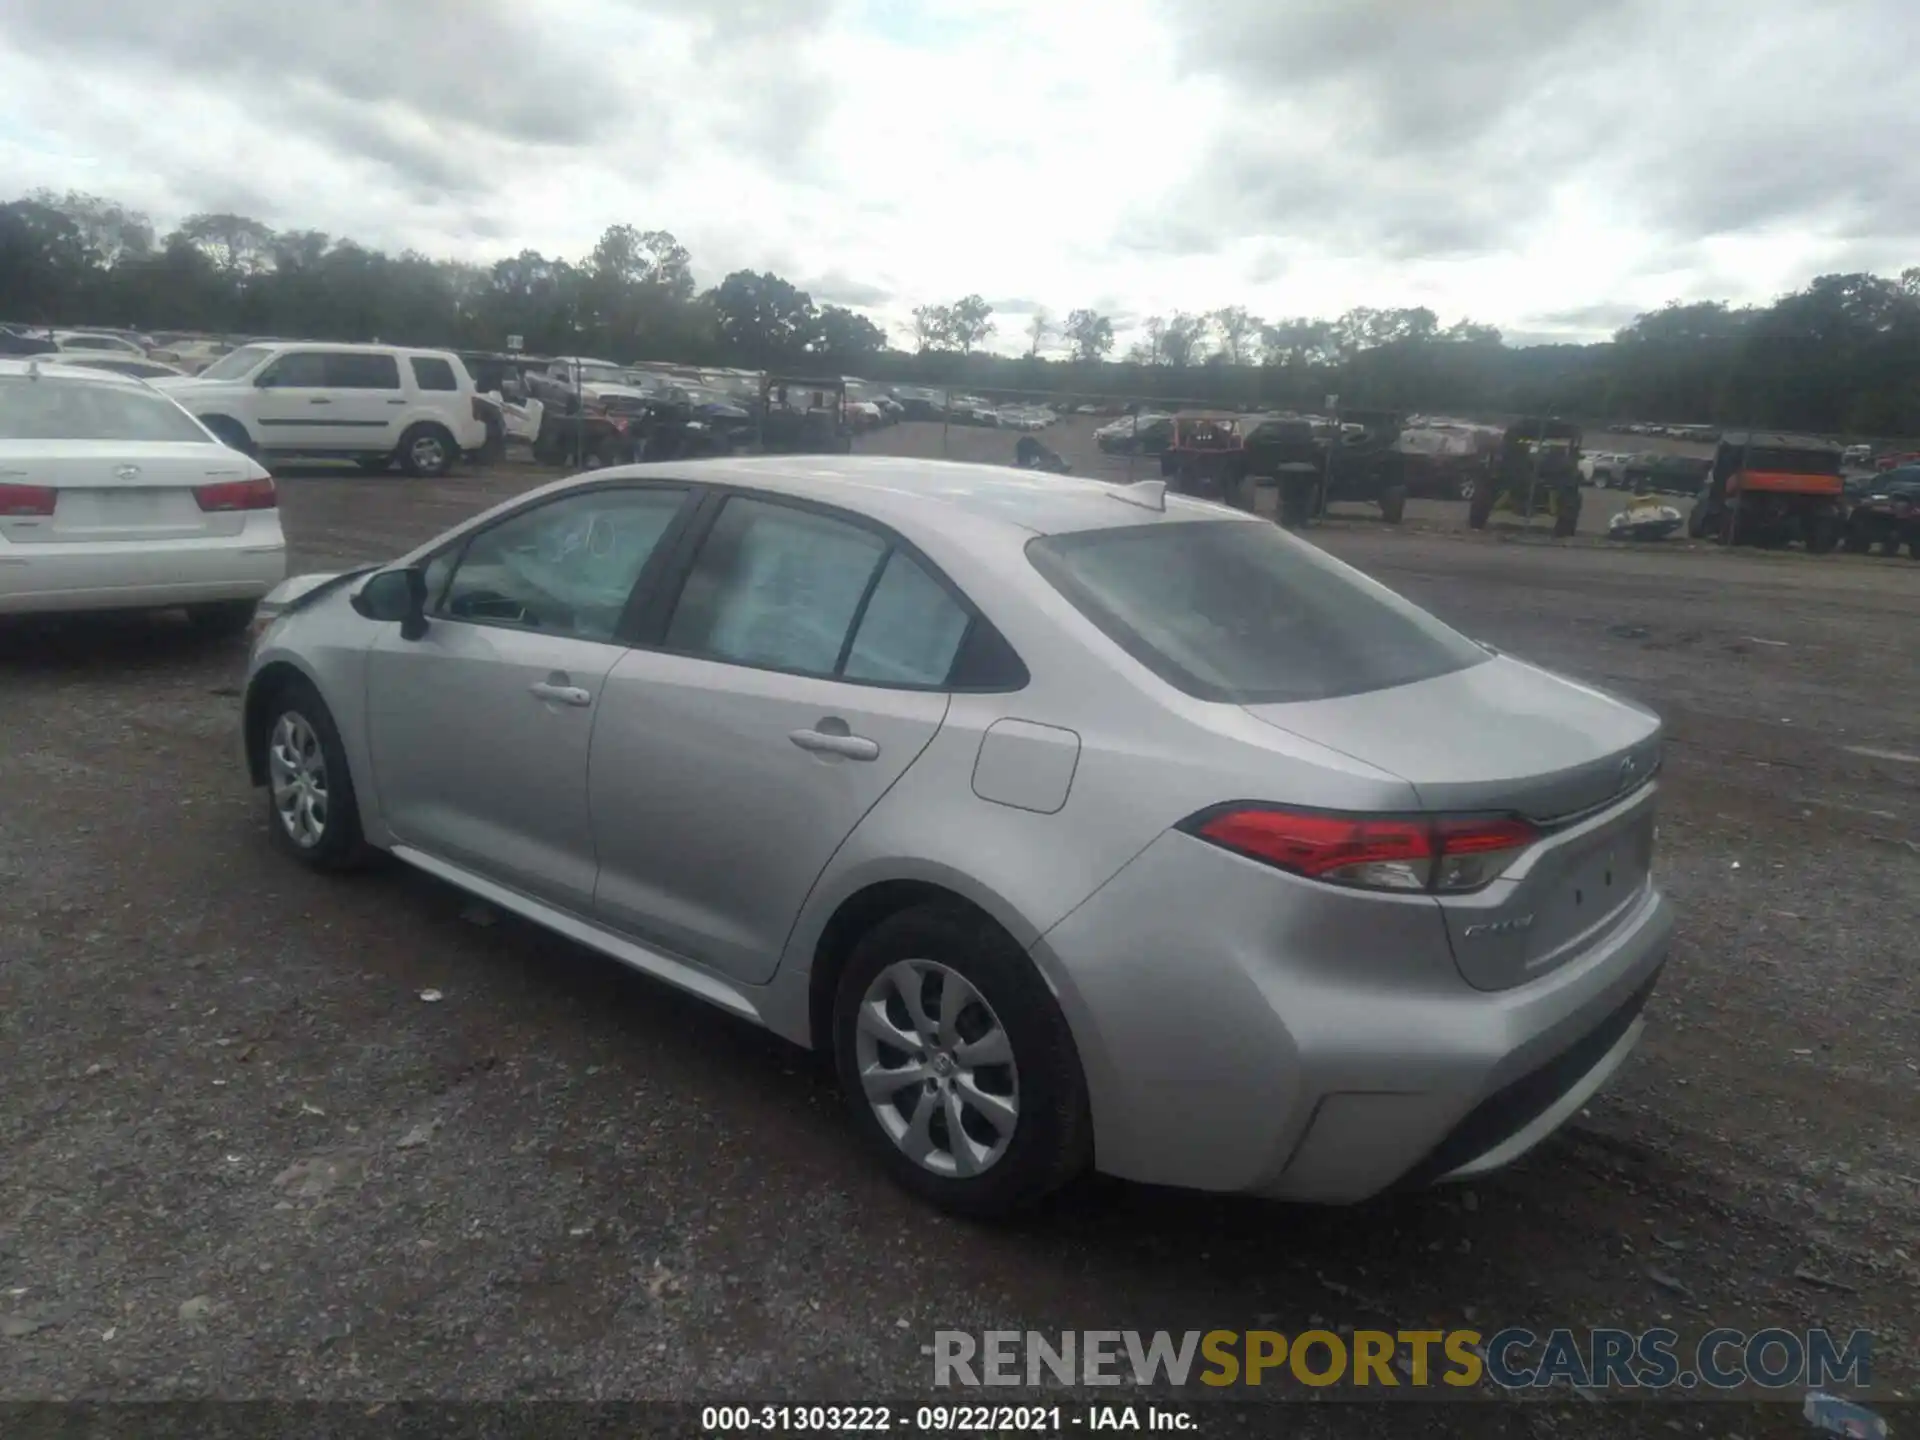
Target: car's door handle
319,400
561,694
396,402
848,747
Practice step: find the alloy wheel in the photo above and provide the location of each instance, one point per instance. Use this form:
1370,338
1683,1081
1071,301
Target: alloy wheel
937,1067
428,454
297,771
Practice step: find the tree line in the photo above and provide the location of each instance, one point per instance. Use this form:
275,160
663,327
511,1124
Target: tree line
1841,355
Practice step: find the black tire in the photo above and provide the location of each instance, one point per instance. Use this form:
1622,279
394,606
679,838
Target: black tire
231,433
1393,504
1822,534
1913,548
1566,518
341,845
1052,1138
1480,511
1857,541
374,464
223,618
1697,521
1890,547
427,452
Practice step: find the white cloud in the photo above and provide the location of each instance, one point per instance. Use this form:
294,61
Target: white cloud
1544,165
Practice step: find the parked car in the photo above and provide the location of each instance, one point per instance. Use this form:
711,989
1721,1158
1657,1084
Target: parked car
1667,474
375,404
97,340
119,364
1887,515
114,497
1148,433
1079,822
1605,468
191,356
1857,456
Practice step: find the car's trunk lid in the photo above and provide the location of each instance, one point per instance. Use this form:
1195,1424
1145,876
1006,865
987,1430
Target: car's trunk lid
112,491
1505,737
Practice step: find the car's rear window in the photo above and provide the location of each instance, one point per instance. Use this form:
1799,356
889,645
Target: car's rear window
50,408
1239,611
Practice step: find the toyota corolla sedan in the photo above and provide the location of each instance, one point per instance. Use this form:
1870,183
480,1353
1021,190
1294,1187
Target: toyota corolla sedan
1083,824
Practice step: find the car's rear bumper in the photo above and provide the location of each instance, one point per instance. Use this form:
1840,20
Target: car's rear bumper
1243,1030
143,574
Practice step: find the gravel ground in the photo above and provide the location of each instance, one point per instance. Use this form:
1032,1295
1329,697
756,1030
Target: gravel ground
242,1156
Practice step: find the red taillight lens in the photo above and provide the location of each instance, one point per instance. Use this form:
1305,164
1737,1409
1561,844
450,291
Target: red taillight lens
236,495
27,499
1418,853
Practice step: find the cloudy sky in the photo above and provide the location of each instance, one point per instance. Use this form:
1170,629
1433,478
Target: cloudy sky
1550,166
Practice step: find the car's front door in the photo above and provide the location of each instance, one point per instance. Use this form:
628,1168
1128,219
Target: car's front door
480,729
802,669
292,407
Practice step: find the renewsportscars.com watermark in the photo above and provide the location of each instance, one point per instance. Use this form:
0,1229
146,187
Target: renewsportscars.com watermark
1512,1359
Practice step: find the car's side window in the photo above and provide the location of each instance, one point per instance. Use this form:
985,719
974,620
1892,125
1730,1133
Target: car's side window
775,586
566,567
296,370
356,370
911,629
432,373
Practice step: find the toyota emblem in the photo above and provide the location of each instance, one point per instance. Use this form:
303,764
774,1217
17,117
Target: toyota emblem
126,472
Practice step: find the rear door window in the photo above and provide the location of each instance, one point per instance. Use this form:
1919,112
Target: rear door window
776,586
1239,611
350,370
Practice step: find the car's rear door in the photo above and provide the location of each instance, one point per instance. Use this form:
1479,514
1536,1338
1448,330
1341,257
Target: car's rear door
796,676
368,403
479,729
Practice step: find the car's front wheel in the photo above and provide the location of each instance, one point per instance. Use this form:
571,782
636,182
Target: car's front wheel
310,801
958,1064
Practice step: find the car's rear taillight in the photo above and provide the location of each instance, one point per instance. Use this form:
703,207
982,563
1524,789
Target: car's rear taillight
1446,854
28,499
236,495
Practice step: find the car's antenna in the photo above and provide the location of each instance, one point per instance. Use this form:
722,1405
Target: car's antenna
1147,494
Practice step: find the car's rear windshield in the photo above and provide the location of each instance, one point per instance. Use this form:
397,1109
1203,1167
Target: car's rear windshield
1239,611
48,408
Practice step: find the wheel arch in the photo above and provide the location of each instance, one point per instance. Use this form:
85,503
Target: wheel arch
265,683
866,906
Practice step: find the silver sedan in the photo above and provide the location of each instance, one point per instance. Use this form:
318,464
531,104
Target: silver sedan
1083,824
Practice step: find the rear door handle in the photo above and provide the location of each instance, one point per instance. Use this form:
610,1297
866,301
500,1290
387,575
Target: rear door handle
848,747
396,402
559,693
319,400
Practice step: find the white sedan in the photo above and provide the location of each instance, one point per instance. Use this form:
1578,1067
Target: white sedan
113,497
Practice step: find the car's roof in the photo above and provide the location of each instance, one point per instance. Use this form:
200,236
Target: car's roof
53,370
1778,440
331,347
913,494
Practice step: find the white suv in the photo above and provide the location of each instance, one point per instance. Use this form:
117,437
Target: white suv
373,404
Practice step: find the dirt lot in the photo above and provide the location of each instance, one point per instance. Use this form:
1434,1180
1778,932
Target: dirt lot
241,1156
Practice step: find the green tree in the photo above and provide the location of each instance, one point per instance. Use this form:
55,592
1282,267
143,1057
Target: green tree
1090,334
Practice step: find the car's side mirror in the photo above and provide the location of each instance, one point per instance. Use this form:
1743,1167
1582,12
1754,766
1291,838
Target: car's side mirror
396,595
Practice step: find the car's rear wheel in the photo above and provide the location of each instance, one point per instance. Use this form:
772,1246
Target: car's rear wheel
427,451
1566,518
1857,541
310,801
1393,504
222,618
1822,534
1891,545
958,1064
